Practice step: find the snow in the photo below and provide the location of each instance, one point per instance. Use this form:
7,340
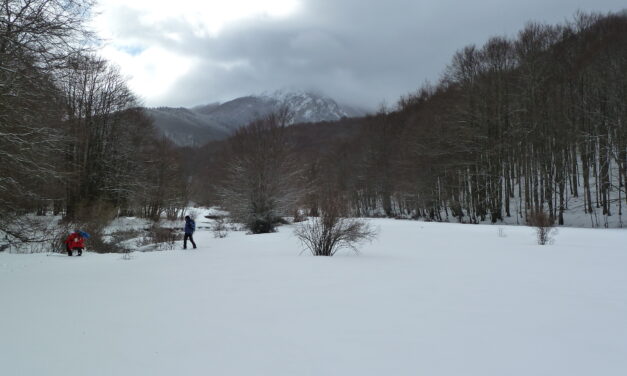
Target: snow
423,299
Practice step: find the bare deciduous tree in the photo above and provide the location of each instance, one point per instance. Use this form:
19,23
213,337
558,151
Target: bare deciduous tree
98,104
71,131
261,183
36,38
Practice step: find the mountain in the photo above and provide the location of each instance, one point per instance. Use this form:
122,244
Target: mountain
308,107
187,127
199,125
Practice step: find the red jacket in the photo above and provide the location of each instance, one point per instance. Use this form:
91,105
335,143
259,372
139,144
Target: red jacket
75,240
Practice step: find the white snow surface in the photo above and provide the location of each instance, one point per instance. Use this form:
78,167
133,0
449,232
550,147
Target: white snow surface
423,299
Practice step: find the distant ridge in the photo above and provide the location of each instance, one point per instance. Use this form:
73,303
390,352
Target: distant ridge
216,121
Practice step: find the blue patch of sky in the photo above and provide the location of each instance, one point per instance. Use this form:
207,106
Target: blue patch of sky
132,50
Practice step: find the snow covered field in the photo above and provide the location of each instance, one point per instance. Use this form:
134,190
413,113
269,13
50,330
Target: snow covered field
423,299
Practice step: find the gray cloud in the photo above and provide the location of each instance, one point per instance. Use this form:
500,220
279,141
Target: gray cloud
358,52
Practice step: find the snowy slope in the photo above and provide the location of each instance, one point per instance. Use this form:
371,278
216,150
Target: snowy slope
424,299
309,107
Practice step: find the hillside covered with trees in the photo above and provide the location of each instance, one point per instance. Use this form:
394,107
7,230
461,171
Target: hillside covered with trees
534,123
517,126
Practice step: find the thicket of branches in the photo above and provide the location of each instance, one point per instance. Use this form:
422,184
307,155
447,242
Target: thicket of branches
544,226
514,127
260,184
333,229
72,136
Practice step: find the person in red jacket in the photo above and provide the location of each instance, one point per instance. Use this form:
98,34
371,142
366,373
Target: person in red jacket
75,242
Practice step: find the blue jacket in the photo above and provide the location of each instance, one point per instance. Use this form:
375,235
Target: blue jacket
190,226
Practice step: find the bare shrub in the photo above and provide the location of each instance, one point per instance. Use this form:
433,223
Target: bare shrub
501,232
127,256
219,227
44,234
93,219
123,239
544,225
299,216
99,245
163,238
30,234
59,234
331,231
234,226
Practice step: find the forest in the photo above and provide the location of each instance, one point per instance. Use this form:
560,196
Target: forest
517,126
74,140
513,127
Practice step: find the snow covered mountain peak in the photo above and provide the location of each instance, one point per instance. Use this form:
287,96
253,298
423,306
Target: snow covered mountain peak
309,107
218,120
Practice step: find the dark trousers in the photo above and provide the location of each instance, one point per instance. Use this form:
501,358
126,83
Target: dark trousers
77,249
191,239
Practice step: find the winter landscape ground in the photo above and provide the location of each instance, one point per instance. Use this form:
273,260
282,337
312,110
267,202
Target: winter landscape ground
423,299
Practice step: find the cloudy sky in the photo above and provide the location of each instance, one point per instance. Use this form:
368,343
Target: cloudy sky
365,53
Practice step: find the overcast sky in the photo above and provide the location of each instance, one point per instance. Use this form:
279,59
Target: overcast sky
187,52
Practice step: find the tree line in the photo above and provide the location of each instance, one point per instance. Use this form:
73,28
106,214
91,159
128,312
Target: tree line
73,138
516,127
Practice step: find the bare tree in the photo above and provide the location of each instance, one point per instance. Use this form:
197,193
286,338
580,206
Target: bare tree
71,131
36,37
164,189
219,227
98,104
261,183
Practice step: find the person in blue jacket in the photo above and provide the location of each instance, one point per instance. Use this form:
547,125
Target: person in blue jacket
190,227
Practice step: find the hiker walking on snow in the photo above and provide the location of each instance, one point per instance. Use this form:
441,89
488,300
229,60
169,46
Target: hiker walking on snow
76,242
190,227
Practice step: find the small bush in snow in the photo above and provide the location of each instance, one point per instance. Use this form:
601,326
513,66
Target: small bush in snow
127,255
233,226
157,237
163,237
502,232
299,216
330,232
219,227
544,225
